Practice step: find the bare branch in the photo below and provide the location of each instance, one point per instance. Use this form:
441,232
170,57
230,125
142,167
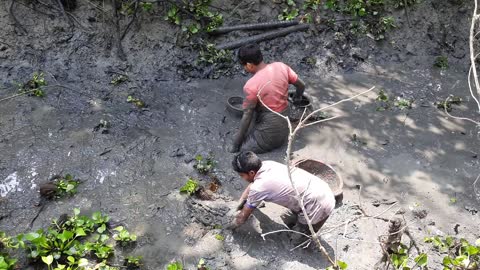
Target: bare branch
475,17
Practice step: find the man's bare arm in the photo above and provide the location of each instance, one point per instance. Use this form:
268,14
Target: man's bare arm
243,198
244,125
300,87
243,216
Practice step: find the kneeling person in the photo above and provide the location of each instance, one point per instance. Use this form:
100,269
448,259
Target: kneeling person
269,182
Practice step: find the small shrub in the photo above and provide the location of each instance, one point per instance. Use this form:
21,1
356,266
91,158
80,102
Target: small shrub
204,165
123,236
190,187
133,262
34,87
118,79
174,266
441,62
66,186
136,101
403,103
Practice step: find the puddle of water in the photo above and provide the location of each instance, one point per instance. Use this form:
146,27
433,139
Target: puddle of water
9,184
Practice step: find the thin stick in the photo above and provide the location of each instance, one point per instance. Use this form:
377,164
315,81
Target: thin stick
472,49
17,95
456,117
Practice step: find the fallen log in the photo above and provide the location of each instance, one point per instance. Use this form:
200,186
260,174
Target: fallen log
262,37
253,26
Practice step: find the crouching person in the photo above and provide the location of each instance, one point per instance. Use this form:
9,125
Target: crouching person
269,182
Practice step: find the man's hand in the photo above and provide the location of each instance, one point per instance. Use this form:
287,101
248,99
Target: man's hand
232,226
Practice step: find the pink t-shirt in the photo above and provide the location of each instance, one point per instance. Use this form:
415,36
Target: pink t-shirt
275,93
272,184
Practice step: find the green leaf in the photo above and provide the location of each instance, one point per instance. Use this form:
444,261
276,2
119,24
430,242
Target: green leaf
102,228
80,232
219,237
118,229
65,236
421,259
472,250
342,265
71,259
48,260
82,262
175,266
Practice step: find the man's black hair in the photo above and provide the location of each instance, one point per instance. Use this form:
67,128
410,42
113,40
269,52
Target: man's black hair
250,53
245,162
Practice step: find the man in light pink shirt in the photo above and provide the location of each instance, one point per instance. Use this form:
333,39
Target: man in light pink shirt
261,130
269,182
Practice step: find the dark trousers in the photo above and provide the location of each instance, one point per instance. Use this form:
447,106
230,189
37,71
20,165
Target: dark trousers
290,219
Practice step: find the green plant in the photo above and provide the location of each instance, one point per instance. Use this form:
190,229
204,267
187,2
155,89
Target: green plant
441,62
123,236
340,265
202,265
210,55
6,262
137,102
460,254
290,12
331,4
118,79
190,187
66,244
194,16
387,23
66,186
447,104
146,6
133,262
34,87
219,237
313,4
383,100
175,266
403,103
173,15
204,165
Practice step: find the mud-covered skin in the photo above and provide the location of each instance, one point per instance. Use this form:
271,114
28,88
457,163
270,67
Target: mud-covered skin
133,173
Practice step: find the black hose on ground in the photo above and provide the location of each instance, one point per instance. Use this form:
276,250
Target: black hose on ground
262,37
253,26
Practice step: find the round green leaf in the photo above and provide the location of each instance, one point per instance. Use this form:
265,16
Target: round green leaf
48,260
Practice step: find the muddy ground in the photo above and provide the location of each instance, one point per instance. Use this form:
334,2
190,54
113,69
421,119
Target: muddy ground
418,157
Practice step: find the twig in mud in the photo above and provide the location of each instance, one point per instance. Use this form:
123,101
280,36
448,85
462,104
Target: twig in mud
17,95
134,17
475,190
14,19
120,52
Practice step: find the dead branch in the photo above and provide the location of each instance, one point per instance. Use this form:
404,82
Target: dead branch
475,17
291,138
262,37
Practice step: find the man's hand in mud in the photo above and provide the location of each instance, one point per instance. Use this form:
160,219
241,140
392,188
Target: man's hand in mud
232,226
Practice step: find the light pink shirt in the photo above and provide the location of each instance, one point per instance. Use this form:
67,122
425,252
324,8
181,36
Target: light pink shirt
272,184
275,93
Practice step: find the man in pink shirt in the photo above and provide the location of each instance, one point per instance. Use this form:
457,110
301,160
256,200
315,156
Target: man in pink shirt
261,130
269,182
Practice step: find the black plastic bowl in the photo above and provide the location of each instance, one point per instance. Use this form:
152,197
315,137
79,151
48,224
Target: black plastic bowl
303,103
234,106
